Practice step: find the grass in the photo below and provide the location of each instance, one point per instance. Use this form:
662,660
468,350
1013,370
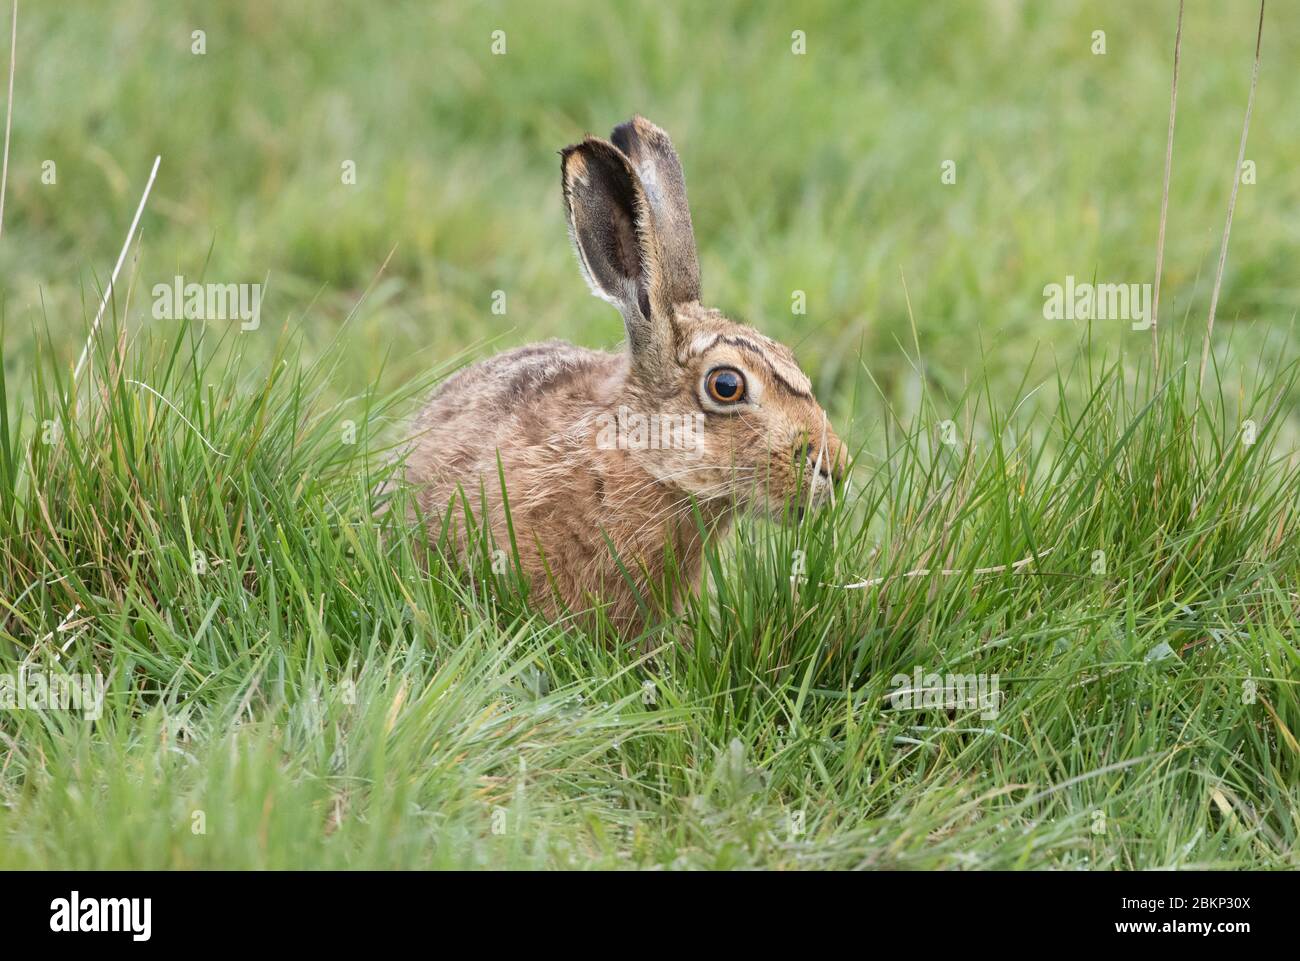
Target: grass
287,688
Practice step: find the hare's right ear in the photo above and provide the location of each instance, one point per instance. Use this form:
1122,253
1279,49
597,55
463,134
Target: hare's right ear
613,232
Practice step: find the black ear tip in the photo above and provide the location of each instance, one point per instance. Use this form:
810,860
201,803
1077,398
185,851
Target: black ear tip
641,134
625,133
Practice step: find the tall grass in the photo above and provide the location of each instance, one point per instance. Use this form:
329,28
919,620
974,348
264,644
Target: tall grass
285,680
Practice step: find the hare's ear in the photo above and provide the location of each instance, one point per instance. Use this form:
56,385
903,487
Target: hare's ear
614,235
656,164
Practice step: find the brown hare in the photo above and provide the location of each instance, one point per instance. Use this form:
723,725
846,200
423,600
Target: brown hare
618,466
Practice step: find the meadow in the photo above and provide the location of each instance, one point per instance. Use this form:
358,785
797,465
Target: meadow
1053,503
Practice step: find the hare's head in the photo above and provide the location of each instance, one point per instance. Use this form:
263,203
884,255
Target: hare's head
709,406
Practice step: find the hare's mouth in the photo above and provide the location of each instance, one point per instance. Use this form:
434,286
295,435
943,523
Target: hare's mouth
793,507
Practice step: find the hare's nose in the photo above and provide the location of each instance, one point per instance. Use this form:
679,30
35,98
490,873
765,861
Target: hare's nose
827,461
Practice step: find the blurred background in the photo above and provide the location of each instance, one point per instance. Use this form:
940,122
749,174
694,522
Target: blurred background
819,172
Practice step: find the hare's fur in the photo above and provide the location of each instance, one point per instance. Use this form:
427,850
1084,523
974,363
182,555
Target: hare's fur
622,525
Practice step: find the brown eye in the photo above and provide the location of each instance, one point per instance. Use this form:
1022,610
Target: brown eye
726,385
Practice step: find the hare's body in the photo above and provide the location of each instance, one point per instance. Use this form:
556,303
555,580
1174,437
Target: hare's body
617,467
574,506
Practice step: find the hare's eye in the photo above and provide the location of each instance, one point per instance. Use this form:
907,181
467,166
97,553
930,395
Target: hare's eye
726,385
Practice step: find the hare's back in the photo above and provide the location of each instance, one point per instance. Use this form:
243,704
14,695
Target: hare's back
514,399
507,384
